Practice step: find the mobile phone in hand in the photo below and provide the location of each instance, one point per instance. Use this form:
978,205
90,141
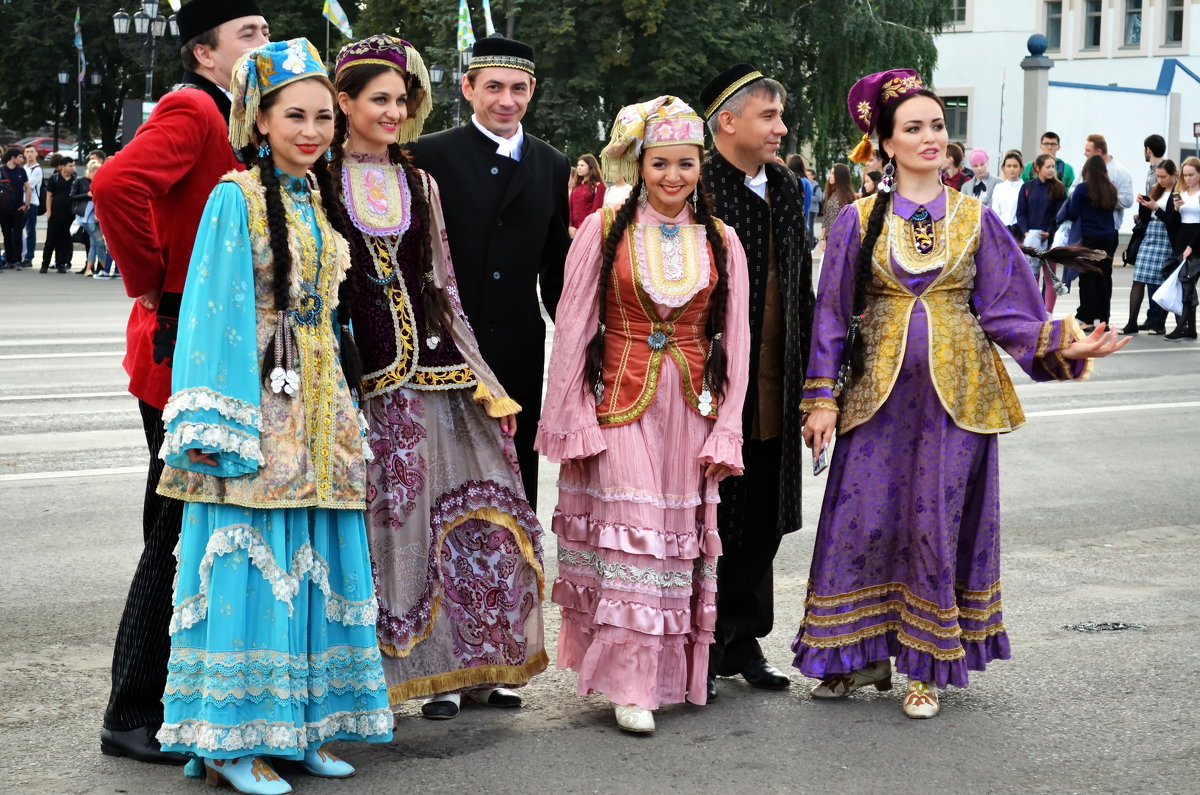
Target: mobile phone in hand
821,460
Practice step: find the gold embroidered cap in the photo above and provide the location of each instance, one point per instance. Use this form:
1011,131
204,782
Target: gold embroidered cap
398,54
263,70
499,51
725,85
662,121
872,92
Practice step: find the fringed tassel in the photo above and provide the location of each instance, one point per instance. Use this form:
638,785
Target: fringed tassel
410,130
863,152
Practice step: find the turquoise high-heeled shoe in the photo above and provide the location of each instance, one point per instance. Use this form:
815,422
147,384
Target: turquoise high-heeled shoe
319,762
248,774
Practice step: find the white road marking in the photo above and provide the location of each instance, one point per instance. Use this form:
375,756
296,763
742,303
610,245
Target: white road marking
20,343
79,355
1191,404
73,473
69,395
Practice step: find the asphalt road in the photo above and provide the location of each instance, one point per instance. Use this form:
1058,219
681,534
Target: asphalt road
1100,525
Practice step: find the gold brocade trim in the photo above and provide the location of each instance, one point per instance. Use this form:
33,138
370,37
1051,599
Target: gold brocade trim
837,641
397,373
908,617
653,265
1043,346
435,378
819,383
469,677
732,89
494,516
900,588
506,61
808,404
496,407
310,502
986,632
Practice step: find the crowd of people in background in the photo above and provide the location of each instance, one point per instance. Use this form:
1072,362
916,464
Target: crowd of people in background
31,189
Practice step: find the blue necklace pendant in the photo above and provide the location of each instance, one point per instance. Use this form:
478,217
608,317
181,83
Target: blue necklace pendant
669,230
657,341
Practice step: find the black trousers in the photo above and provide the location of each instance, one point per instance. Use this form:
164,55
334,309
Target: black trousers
58,244
12,222
745,585
143,644
1095,289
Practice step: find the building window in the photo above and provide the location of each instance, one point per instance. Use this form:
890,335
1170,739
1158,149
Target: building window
1133,24
958,12
956,118
1093,16
1173,22
1054,25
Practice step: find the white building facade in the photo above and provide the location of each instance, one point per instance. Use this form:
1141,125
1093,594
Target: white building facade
1122,68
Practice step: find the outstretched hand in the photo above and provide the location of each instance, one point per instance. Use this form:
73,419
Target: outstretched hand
1100,343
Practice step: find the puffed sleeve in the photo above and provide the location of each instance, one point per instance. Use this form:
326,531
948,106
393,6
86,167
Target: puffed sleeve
568,428
724,443
214,405
1011,311
831,317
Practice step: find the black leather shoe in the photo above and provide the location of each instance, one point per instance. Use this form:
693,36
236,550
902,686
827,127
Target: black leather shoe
440,710
712,689
761,673
138,744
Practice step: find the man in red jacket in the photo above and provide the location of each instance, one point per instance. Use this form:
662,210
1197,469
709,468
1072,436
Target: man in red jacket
149,198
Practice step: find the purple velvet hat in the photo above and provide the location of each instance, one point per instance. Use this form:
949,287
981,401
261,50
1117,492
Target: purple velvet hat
398,54
871,93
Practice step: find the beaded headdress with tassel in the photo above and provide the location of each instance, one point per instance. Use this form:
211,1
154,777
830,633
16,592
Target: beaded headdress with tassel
663,121
384,50
871,93
263,70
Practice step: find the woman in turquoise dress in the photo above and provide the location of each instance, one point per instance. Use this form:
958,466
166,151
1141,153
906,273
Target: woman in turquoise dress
273,650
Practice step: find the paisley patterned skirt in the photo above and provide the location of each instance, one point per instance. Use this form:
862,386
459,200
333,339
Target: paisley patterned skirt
455,548
272,636
907,556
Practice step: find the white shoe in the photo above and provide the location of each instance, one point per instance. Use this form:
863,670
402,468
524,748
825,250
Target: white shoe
495,697
842,685
635,719
920,700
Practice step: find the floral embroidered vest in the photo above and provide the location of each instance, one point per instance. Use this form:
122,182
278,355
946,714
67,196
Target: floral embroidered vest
967,371
390,324
311,442
637,337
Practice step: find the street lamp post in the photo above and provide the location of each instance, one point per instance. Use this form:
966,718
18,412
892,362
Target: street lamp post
453,91
63,77
94,81
152,32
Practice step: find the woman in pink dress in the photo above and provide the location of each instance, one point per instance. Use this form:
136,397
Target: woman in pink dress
643,409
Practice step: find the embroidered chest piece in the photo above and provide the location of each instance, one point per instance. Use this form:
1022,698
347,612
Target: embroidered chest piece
378,199
672,260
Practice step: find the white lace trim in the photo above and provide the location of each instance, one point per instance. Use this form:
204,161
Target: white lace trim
669,578
672,274
284,584
204,736
672,501
201,434
199,398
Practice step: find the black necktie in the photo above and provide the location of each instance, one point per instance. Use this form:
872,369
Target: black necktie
980,187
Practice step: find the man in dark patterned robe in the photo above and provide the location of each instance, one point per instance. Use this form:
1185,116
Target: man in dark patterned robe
763,202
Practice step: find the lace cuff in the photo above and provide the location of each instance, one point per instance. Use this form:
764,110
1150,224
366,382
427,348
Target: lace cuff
205,399
237,452
566,445
722,448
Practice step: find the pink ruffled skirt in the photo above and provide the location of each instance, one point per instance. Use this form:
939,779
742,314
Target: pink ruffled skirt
637,558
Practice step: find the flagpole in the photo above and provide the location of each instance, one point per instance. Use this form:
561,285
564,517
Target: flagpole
79,89
326,39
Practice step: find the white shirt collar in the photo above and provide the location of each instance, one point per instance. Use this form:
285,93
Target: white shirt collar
505,147
758,183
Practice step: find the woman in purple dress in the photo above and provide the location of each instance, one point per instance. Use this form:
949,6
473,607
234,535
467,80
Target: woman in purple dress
918,281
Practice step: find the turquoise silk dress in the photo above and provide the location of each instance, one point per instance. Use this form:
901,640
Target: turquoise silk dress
273,644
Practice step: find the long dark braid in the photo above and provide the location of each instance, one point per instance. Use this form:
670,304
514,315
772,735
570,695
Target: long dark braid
594,364
438,314
352,367
715,369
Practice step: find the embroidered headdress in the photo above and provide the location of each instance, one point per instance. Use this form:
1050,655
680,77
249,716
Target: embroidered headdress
499,51
664,121
201,16
263,70
725,85
384,50
869,95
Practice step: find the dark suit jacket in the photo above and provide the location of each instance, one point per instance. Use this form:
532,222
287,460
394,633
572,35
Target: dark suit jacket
507,224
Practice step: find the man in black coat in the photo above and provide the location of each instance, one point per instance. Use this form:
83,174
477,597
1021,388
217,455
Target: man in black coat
504,196
762,200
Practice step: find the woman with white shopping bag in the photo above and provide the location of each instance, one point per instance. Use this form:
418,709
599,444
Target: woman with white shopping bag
1179,290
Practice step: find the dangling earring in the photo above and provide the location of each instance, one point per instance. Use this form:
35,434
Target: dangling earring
264,150
889,179
642,194
696,197
329,155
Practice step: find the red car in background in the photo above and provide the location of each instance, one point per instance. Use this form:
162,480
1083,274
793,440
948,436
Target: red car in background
44,143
